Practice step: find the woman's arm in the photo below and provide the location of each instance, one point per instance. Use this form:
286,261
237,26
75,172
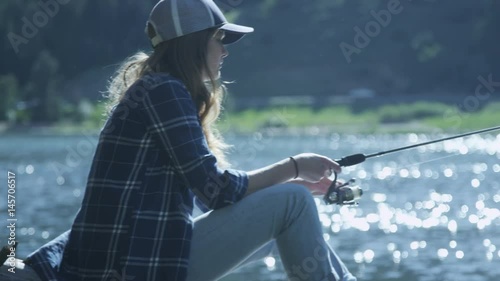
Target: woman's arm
311,168
171,119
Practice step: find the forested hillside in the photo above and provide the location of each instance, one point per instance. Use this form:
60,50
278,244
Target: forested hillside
57,54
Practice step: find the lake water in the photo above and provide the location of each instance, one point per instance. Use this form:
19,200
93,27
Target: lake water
426,214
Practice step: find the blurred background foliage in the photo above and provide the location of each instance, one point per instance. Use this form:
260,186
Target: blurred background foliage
57,55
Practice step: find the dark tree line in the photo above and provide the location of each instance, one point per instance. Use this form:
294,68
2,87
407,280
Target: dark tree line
300,47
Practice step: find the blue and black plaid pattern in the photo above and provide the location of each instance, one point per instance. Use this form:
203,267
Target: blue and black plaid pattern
135,222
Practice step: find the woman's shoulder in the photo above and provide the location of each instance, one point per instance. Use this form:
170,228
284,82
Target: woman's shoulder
158,87
152,81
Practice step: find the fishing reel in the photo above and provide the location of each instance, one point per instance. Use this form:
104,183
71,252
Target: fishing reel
344,194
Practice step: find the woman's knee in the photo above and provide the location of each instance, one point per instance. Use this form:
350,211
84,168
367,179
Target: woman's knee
298,192
281,197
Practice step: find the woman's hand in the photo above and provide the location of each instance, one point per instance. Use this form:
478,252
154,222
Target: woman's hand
313,167
316,188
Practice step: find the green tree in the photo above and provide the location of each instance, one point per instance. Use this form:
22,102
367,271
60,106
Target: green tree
9,93
42,90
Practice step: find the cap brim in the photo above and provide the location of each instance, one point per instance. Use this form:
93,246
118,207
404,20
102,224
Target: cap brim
234,32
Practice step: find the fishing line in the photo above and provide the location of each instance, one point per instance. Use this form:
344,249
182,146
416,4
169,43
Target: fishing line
431,160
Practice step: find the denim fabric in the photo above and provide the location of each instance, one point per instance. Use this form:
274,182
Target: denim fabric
281,220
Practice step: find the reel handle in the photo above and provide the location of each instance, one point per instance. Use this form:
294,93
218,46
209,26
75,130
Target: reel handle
343,194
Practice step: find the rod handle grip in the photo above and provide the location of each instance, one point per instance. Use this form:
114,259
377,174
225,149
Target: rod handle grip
351,160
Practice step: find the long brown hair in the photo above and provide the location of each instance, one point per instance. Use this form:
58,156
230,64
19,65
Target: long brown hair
185,58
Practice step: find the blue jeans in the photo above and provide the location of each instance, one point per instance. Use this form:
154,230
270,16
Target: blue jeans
280,219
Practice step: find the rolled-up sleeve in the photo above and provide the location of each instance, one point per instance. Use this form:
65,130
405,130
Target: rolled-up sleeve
171,118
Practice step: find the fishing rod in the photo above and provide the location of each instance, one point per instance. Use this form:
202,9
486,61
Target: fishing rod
345,194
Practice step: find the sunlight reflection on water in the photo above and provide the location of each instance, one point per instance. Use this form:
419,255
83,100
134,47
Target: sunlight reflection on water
433,207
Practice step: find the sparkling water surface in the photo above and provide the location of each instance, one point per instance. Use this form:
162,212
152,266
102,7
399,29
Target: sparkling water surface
430,213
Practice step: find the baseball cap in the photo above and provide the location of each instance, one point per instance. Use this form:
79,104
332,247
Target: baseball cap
175,18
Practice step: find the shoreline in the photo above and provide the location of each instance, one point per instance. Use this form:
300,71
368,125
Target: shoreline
421,117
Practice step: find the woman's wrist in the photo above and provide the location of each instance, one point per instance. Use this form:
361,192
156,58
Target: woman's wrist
279,172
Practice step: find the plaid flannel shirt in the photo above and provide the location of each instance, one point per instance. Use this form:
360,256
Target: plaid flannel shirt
135,221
